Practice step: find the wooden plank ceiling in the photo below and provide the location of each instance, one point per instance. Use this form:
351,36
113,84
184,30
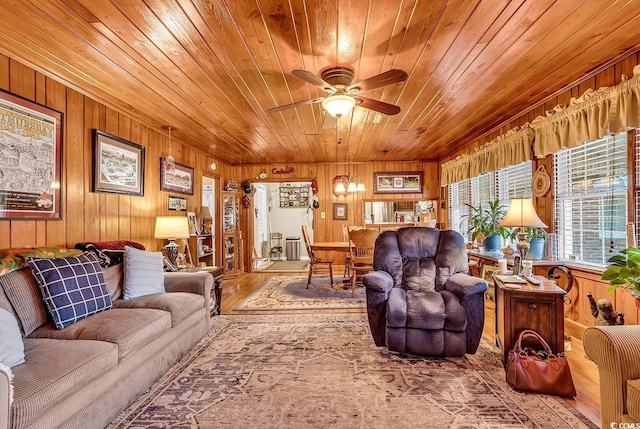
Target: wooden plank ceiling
212,68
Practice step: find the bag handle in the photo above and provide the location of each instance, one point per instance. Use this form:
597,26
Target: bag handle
528,333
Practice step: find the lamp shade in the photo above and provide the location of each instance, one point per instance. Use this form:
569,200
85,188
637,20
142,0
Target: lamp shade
171,227
521,213
204,213
338,105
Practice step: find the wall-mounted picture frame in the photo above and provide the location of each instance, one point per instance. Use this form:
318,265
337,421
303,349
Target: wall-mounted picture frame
340,211
31,146
176,178
118,165
177,203
487,273
397,182
193,223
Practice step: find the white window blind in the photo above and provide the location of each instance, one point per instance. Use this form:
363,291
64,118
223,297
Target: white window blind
514,182
458,198
591,200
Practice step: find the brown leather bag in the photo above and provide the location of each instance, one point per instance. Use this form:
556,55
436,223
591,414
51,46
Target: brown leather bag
538,371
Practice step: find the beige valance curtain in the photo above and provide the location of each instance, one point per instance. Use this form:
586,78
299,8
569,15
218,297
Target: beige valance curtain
510,148
596,113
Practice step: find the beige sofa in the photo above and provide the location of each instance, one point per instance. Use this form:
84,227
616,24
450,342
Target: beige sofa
616,352
85,374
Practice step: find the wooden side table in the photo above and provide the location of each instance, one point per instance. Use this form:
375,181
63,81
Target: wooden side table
216,292
540,308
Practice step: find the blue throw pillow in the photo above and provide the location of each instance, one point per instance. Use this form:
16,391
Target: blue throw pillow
73,288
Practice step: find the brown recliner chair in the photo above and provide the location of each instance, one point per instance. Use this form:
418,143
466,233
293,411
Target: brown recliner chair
420,299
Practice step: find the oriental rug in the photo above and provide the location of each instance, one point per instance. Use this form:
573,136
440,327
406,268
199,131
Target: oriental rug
291,293
297,371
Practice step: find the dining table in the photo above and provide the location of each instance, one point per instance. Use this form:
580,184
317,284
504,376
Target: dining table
329,246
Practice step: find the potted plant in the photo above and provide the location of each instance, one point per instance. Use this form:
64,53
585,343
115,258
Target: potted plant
536,238
484,224
623,271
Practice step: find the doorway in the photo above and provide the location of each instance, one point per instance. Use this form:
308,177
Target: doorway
209,187
281,209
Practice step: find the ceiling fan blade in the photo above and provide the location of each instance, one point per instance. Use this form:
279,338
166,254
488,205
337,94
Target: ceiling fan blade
314,80
299,103
378,106
329,121
383,79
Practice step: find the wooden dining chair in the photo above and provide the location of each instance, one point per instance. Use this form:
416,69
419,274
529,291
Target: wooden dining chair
362,242
316,264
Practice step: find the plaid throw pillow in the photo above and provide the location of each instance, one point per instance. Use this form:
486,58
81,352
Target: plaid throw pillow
73,287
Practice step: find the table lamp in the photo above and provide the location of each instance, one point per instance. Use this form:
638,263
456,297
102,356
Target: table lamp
522,214
204,214
171,228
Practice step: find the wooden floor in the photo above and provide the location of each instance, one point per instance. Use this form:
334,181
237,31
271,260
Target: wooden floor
585,372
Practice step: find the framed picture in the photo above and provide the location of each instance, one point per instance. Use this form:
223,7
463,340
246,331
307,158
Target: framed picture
397,182
177,203
31,165
193,223
118,165
488,271
340,211
176,178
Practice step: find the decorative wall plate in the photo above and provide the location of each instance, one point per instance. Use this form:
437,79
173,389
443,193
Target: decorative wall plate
541,182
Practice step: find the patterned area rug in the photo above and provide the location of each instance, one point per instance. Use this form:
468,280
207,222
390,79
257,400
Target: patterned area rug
291,293
296,371
286,266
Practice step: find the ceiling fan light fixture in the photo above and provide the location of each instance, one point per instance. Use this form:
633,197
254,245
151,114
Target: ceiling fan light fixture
338,105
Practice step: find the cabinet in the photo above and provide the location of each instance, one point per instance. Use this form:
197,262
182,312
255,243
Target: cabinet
230,234
201,247
539,308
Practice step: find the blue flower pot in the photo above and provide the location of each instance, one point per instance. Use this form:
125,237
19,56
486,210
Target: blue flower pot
536,248
491,243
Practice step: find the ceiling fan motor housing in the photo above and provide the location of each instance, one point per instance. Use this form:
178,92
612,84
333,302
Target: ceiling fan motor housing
339,77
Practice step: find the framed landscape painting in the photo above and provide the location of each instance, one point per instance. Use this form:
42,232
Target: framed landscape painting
397,182
176,178
118,165
31,164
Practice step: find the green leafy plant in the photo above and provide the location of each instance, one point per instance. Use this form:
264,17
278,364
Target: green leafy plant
535,233
483,222
623,270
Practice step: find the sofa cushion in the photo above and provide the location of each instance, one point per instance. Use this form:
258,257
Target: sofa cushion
130,329
633,399
23,292
54,369
73,287
143,273
415,309
113,279
179,304
419,274
11,347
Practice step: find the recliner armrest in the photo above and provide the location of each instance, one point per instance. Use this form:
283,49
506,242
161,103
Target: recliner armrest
380,281
461,285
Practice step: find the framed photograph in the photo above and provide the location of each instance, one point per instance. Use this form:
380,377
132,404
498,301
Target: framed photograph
177,203
176,178
193,223
488,271
340,211
31,164
118,165
397,182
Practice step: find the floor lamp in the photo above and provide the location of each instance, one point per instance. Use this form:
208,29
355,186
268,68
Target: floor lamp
522,214
171,228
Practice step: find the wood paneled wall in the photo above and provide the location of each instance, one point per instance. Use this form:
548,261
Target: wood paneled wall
89,216
328,229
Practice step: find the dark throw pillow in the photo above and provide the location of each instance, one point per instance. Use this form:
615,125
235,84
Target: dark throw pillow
73,288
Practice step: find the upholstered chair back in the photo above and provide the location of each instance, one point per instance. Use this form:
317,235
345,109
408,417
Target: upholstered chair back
420,258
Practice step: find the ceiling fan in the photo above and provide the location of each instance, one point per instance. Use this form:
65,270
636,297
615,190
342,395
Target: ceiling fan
343,95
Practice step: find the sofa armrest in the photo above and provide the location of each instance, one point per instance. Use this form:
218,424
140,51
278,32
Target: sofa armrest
5,395
615,350
379,281
463,285
198,282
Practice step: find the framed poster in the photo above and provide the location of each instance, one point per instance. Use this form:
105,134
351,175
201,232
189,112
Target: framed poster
31,161
397,182
176,178
177,203
340,211
118,165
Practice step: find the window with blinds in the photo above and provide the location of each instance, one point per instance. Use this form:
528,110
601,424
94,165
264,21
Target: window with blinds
505,184
590,206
